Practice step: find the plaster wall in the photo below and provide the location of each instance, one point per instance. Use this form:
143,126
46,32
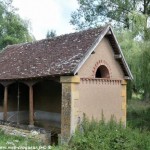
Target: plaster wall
99,97
103,55
1,108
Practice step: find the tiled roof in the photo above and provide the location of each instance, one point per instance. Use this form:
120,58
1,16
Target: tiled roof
57,56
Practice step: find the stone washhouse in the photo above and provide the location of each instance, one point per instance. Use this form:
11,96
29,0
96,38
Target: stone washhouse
51,83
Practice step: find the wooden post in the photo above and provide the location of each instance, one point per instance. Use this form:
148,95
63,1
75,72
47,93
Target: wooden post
31,111
5,103
5,84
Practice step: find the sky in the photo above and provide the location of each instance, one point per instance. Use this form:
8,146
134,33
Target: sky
47,15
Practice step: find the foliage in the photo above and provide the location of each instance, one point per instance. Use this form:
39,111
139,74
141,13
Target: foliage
51,34
145,69
138,57
108,136
132,51
138,114
13,29
93,13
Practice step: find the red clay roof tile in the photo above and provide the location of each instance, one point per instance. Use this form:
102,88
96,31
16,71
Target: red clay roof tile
57,56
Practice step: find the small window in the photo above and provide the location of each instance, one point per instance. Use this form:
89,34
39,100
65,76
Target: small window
102,72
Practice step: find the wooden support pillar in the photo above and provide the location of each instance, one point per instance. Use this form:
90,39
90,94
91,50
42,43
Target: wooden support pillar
31,111
31,107
5,107
5,103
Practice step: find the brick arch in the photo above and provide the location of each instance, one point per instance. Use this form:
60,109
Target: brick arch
98,64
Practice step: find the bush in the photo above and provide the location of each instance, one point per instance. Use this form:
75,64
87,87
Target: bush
138,115
108,136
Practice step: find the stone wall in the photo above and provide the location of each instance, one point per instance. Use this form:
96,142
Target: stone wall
68,109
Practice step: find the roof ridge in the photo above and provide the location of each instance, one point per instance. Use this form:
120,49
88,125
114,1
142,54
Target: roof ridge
71,33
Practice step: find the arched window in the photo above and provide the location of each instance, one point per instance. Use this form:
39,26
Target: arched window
102,72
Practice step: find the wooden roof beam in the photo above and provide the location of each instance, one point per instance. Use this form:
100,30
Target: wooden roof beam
118,56
127,78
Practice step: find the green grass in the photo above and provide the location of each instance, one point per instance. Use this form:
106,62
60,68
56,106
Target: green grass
10,141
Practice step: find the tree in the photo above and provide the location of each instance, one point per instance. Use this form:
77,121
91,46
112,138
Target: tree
132,51
13,29
51,34
93,13
145,69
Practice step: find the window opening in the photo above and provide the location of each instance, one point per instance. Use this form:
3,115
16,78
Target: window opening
102,72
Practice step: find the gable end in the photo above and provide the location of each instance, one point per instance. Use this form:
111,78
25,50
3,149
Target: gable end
118,54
